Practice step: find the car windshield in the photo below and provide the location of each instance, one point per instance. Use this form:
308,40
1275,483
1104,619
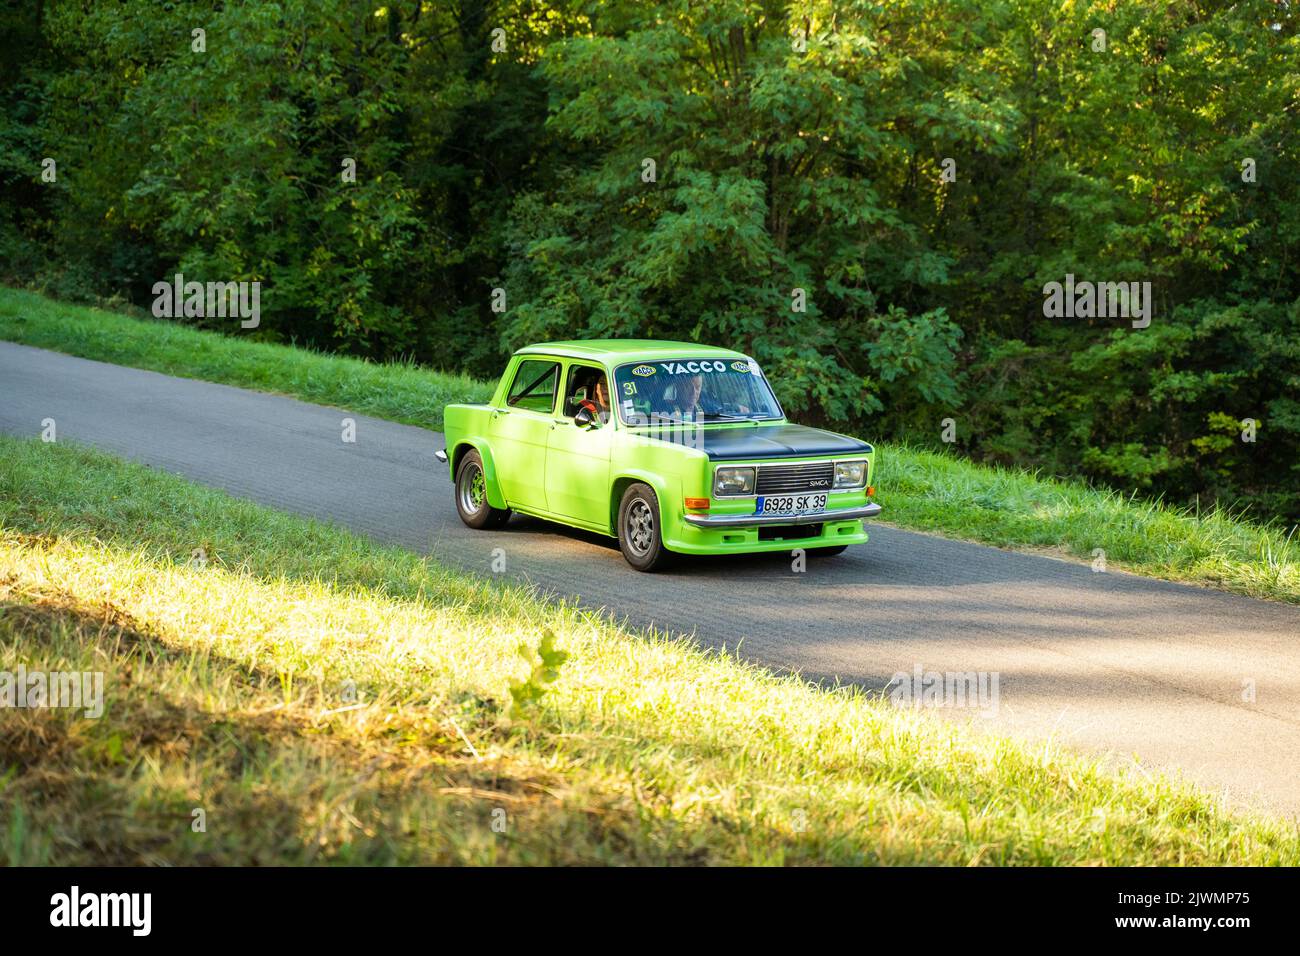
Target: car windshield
694,390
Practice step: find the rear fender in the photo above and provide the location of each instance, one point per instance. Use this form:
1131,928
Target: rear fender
480,445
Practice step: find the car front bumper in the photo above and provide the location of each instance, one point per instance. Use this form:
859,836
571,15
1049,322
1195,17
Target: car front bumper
869,510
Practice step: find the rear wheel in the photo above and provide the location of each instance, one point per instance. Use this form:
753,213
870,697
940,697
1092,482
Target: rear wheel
471,495
638,529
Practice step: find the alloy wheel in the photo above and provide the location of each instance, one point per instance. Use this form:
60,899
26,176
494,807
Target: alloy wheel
640,527
472,489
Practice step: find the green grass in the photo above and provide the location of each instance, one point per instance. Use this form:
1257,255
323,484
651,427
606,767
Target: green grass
399,392
1009,508
324,699
920,490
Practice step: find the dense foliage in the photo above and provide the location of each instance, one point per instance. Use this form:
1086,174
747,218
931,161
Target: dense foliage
868,196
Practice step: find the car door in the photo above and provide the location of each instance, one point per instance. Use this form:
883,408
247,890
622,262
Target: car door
577,458
520,430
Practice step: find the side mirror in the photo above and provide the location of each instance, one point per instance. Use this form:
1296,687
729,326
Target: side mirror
583,417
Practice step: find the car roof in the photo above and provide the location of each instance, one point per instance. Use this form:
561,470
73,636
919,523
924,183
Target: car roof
629,350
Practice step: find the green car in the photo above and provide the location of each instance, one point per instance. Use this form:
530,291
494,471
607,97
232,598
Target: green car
667,446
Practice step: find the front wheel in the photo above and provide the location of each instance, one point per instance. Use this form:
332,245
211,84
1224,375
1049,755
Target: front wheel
638,529
471,495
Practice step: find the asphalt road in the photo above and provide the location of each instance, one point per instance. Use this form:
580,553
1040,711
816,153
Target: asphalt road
1102,662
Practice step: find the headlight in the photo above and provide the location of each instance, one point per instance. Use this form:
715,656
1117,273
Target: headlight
850,474
733,481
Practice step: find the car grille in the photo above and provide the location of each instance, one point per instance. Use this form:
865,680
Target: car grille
786,479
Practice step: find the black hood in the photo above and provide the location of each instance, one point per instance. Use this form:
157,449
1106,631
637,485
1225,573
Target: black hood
763,441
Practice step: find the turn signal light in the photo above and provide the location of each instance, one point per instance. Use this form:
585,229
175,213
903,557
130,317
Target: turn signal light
697,504
871,490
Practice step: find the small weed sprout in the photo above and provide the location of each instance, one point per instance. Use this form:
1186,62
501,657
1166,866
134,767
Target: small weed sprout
545,662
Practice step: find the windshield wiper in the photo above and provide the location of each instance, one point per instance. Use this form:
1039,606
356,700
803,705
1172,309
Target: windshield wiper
703,417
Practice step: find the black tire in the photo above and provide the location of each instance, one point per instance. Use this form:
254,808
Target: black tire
828,552
639,536
471,495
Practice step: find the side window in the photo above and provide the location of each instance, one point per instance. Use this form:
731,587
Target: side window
534,385
588,385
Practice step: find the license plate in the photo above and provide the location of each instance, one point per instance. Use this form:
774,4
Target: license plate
789,504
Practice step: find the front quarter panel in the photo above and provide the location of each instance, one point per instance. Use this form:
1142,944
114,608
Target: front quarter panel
675,472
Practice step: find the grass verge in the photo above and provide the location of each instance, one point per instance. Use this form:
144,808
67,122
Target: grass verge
324,699
1010,508
398,392
920,489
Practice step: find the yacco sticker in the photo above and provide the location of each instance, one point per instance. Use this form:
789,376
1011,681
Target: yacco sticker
691,368
643,370
740,366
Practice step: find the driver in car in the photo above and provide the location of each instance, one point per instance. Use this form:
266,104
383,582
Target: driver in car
597,400
691,404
